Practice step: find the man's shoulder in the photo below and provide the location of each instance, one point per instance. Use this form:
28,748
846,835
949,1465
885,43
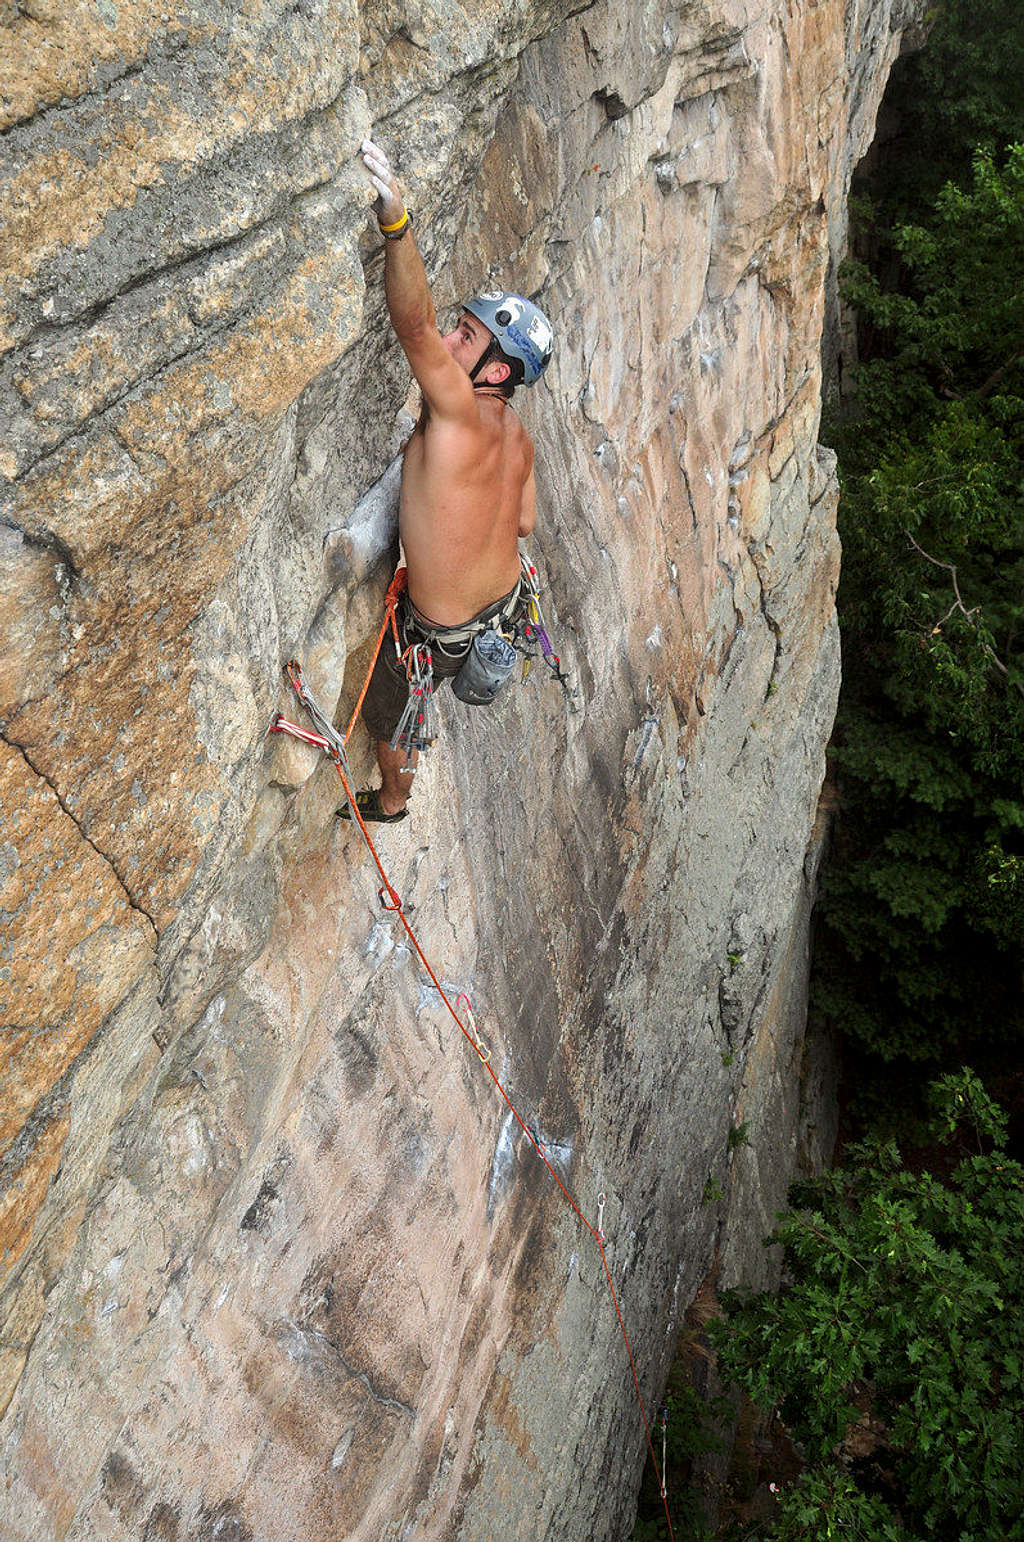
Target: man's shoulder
475,430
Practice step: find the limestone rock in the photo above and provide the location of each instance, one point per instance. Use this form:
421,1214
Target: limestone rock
275,1258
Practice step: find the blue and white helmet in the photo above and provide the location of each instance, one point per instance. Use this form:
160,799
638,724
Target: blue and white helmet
523,332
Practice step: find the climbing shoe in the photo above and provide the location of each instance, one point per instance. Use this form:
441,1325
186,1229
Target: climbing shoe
369,805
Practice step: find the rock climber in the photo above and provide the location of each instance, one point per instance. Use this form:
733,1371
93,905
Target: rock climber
468,488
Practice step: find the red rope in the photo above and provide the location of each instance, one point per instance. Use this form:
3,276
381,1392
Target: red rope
394,903
395,590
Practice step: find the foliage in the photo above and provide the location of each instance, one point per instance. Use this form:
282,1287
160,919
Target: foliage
960,92
649,1531
691,1424
712,1191
825,1505
924,906
895,1351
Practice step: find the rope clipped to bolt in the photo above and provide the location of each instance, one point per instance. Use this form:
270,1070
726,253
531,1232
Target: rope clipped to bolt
334,746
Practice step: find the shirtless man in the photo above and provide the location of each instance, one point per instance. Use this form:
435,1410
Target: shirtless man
467,478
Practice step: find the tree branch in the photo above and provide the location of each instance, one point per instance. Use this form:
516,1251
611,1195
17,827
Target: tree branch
958,605
989,385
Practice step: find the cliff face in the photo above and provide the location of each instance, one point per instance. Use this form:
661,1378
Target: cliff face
274,1262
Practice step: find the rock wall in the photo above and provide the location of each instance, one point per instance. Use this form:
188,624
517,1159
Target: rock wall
273,1261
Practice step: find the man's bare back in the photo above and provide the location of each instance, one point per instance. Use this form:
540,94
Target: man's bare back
462,510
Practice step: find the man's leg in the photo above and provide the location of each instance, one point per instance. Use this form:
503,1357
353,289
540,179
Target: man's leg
395,779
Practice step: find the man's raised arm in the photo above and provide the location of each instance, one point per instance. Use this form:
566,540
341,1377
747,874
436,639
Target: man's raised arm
445,386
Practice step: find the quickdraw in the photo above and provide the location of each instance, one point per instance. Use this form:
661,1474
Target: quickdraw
664,1454
417,727
326,736
333,745
532,639
463,1001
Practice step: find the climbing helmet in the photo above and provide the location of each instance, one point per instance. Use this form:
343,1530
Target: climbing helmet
523,332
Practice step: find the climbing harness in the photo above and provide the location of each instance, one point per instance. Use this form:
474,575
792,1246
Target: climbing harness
487,662
451,640
333,744
485,648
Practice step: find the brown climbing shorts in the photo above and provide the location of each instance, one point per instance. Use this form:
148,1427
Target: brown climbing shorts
388,690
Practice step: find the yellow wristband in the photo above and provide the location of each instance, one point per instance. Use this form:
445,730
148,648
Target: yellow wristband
388,229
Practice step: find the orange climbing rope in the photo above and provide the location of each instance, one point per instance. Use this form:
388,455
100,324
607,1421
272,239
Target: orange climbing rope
396,588
334,746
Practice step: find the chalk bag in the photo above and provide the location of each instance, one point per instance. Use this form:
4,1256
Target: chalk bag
488,666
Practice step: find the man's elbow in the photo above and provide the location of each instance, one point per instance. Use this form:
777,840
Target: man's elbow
414,327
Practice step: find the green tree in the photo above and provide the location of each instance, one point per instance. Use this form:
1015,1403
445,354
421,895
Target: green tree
901,1319
960,92
922,941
